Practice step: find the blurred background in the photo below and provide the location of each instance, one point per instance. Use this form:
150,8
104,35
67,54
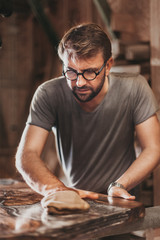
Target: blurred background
29,34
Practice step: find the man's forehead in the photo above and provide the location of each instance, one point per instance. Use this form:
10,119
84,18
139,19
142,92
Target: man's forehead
75,59
69,57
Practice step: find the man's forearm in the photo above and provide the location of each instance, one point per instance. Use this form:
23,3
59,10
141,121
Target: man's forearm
36,174
136,173
147,161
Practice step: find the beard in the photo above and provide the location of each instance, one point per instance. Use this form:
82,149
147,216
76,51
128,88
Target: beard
86,97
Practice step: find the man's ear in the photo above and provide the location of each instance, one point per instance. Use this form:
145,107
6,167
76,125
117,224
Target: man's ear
109,64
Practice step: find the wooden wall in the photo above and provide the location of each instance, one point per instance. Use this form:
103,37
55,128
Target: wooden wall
26,60
131,19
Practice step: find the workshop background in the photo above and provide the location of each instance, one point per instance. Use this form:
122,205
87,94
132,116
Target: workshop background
29,33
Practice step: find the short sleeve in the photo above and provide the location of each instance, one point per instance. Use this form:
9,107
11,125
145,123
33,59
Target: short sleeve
144,102
42,114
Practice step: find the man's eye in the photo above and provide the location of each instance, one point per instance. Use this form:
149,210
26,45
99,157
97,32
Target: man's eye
71,70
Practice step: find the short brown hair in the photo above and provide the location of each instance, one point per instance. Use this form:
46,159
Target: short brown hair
85,41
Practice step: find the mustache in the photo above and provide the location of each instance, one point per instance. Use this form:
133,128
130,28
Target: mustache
82,88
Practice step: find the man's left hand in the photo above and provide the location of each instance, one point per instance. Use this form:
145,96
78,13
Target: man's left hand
119,192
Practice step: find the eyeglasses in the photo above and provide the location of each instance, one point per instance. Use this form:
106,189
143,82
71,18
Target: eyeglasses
87,74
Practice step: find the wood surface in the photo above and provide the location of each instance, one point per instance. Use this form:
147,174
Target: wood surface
21,215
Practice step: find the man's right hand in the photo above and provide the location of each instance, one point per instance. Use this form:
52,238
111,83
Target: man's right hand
87,194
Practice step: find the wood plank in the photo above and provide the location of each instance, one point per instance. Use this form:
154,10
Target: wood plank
7,163
151,221
137,52
13,101
22,215
17,35
131,17
119,21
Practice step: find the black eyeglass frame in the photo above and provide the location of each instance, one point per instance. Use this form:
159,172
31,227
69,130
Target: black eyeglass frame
78,74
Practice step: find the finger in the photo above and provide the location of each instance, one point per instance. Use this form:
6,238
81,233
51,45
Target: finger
87,194
126,195
129,197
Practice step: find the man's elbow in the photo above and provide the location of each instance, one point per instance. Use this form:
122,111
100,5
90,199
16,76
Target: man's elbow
21,160
18,161
156,153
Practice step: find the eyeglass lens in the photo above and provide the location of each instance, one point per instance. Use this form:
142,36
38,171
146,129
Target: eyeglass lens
88,75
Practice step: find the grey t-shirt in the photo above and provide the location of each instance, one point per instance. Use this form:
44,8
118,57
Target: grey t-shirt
95,148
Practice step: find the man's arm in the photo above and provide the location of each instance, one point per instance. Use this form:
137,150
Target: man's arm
29,163
33,169
148,133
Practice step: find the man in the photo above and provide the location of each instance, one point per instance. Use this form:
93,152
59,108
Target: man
94,115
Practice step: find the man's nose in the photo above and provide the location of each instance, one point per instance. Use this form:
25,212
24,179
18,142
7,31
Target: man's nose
80,81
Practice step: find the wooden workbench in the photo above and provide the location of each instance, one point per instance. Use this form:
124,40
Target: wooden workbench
21,216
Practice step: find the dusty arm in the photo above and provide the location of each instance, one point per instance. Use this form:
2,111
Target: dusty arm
29,163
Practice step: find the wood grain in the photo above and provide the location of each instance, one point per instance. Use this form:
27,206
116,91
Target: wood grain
22,215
